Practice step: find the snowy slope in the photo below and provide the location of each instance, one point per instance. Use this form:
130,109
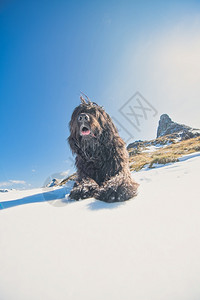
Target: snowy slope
147,248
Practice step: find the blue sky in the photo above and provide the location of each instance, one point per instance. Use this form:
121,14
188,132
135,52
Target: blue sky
52,50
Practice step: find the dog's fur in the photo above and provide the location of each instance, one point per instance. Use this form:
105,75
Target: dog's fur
101,156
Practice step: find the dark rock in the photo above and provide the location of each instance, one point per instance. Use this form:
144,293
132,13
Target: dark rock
54,182
166,126
3,190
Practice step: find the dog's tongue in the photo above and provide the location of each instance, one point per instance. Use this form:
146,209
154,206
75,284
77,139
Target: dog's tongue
85,132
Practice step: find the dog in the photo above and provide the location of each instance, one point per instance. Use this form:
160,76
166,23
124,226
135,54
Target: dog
102,160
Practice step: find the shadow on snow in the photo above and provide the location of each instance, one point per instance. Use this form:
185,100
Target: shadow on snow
57,198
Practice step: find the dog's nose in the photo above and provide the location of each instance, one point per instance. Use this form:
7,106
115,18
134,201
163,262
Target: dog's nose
83,117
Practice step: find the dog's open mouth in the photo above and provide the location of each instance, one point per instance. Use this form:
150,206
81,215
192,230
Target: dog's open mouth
85,130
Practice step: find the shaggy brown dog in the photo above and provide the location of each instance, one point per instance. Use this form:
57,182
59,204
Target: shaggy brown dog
101,156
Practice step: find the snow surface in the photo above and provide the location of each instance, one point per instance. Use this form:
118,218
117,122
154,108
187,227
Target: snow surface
152,148
156,147
147,248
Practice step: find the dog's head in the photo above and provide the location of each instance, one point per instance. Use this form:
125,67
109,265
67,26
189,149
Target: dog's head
90,124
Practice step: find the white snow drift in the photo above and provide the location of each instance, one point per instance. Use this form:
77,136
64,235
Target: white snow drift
144,249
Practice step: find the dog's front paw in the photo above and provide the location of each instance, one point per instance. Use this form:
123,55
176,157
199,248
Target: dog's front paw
111,195
83,190
116,193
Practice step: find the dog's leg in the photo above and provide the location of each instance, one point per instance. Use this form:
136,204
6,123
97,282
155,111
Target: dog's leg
118,188
85,188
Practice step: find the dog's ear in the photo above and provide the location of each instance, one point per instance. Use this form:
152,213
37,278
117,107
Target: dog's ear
106,122
71,139
110,132
72,144
112,125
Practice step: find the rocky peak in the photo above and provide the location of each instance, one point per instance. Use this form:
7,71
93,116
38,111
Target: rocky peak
167,126
164,123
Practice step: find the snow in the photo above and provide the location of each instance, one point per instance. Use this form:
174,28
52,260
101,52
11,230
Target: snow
144,249
156,147
151,148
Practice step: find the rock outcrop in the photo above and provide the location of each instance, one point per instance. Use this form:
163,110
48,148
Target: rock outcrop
4,190
53,182
166,126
